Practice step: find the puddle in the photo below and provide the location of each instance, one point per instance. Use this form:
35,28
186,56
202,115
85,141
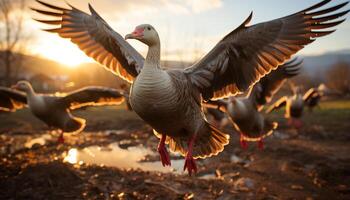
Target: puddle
208,176
114,156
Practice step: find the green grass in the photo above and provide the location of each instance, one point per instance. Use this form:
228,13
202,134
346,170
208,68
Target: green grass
332,115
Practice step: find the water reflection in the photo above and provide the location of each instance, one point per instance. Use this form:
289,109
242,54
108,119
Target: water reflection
72,156
114,156
208,176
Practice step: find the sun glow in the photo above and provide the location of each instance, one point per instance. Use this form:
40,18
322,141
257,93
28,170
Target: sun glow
62,51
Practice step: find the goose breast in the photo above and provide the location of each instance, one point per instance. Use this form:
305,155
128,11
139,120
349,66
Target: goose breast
164,100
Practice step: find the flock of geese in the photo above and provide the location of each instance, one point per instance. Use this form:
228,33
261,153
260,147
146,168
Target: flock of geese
171,101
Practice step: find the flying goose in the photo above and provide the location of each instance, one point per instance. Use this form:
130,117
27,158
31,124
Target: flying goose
244,112
314,99
54,110
170,100
294,105
317,94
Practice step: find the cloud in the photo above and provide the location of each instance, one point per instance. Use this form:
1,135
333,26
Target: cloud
122,15
118,7
198,6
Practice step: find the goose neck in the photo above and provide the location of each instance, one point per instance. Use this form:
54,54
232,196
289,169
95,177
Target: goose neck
30,92
153,56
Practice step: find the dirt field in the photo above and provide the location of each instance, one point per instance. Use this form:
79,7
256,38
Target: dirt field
115,158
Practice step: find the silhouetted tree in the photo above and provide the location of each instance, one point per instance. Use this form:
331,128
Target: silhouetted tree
11,33
338,77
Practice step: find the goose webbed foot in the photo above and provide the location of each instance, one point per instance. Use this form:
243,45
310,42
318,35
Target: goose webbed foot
243,142
164,156
190,163
60,139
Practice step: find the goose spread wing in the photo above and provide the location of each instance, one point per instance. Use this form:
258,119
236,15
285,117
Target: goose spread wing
218,104
312,92
96,38
248,53
11,100
271,83
278,104
92,96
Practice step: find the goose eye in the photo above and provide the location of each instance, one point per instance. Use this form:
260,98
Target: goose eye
149,28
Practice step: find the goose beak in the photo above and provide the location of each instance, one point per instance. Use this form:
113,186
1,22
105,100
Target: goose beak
129,36
15,87
136,34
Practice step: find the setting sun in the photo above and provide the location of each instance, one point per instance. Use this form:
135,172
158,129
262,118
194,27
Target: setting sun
62,51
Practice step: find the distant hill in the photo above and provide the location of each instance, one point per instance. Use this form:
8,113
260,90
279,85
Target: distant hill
82,75
93,74
318,65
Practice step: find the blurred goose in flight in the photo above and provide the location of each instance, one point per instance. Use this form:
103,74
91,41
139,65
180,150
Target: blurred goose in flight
245,113
54,110
317,94
314,99
294,105
170,100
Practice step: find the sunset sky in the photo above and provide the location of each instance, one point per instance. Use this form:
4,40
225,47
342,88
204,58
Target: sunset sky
188,28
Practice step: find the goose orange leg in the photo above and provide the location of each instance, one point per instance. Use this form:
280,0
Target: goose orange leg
60,139
164,156
244,144
190,163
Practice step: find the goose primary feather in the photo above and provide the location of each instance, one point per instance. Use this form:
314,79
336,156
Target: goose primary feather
170,100
314,98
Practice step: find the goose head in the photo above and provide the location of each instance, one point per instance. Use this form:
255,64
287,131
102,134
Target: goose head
297,93
23,86
146,34
257,94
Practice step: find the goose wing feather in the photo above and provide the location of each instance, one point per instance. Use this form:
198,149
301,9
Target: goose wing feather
278,104
270,84
92,96
248,53
11,100
95,37
309,94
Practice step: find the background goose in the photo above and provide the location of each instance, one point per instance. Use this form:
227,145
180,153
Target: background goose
294,105
245,113
317,94
170,100
314,99
54,110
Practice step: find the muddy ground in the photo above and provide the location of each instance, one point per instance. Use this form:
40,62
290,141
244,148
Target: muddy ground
312,163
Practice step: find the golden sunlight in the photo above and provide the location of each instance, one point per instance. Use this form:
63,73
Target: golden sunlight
62,51
72,156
